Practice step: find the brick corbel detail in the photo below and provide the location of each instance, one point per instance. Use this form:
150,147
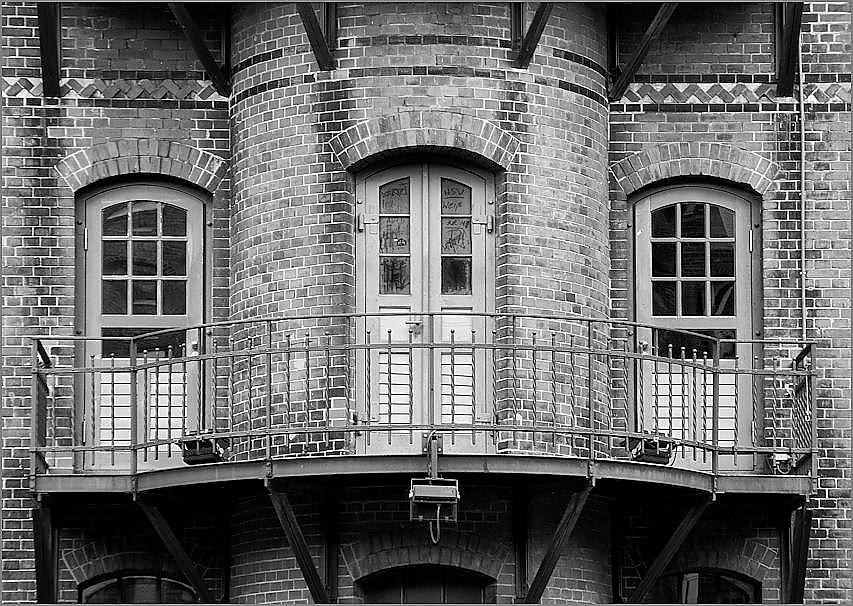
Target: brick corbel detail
694,159
142,156
426,131
460,550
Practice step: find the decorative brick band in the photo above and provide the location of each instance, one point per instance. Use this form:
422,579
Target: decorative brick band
142,156
723,92
118,88
461,550
694,159
426,131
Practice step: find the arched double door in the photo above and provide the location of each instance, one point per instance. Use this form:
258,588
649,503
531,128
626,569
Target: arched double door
425,275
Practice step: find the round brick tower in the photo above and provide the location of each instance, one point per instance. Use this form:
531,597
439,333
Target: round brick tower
411,80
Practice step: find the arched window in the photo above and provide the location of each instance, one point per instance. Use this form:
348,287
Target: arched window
427,584
141,269
707,586
136,588
696,268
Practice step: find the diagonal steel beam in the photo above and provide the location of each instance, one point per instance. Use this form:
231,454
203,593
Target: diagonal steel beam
561,535
534,33
652,32
294,535
787,45
173,545
316,38
669,550
801,532
48,20
202,52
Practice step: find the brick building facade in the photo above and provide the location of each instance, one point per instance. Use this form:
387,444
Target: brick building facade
590,260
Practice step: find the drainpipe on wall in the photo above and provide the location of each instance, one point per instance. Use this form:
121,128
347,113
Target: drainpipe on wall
802,187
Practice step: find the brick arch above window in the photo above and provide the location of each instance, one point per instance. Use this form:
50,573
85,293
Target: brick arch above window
392,550
726,552
142,156
669,160
106,557
426,131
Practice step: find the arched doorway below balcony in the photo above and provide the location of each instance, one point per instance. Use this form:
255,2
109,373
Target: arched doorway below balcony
427,584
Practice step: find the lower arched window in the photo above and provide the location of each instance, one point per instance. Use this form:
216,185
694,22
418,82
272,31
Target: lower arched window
136,588
708,586
427,584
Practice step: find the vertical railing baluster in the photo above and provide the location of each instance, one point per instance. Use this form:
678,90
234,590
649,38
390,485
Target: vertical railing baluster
287,412
112,409
158,369
348,369
685,403
96,412
735,377
411,386
268,437
473,386
695,404
655,389
554,390
368,382
494,370
390,384
705,406
232,383
185,392
250,384
641,387
452,386
572,394
169,437
670,395
535,398
590,397
516,418
715,423
134,409
214,382
327,376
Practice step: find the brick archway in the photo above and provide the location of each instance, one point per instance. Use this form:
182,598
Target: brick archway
105,557
391,550
719,160
726,552
429,131
142,156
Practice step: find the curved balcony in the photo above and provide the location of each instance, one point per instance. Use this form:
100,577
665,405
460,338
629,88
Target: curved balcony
512,393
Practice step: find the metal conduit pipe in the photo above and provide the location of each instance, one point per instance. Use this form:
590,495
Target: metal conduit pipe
802,186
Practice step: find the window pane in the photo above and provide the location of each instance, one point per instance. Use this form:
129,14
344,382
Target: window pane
455,198
663,258
174,297
456,275
144,218
722,222
663,298
723,294
174,258
394,197
174,221
693,259
693,298
394,234
115,220
692,220
144,297
456,236
140,590
663,222
114,258
664,338
394,275
144,258
114,297
723,259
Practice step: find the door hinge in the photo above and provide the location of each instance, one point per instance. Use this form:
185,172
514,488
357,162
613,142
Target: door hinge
361,221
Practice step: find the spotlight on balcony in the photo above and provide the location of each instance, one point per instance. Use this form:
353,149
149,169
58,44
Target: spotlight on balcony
433,500
781,463
658,449
204,450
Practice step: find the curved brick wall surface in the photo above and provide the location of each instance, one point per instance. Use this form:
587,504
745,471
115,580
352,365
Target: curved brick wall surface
407,77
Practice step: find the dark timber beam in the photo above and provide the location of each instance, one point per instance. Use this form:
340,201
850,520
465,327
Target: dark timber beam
45,553
652,32
296,539
520,519
789,17
799,554
174,547
330,516
669,550
202,52
534,33
316,38
555,549
48,19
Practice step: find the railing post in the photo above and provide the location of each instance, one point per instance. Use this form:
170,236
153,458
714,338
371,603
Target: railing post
268,438
134,409
715,411
812,387
589,389
34,413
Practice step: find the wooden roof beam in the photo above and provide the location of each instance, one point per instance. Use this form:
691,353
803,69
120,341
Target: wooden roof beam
202,52
534,33
789,18
561,535
48,20
297,542
316,38
652,32
174,547
669,550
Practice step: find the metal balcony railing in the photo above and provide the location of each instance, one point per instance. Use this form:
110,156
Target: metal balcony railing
376,383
